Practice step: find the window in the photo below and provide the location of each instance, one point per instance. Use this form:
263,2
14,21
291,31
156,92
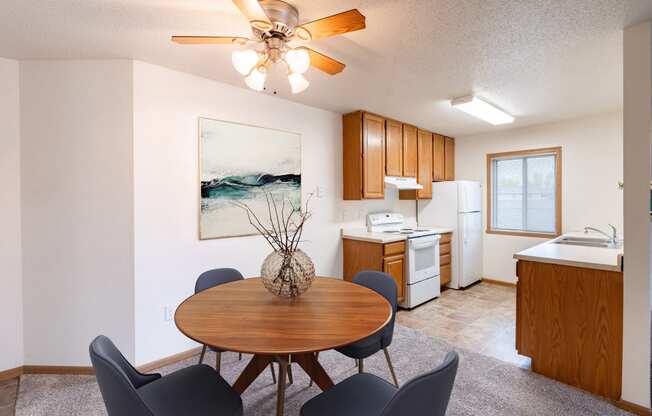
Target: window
524,192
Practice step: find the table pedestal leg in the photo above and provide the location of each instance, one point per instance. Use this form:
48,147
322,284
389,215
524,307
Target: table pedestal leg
282,374
258,363
256,366
313,368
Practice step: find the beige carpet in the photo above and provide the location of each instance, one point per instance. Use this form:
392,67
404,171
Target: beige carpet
484,386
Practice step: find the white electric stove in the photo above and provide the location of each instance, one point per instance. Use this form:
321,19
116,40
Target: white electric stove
422,281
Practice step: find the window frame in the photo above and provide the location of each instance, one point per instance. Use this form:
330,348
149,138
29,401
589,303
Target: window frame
556,151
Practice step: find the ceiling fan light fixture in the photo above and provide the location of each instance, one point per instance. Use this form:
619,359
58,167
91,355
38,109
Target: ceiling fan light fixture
483,110
244,60
298,60
298,82
256,79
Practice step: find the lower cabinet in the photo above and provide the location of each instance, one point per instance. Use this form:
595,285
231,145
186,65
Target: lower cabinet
569,321
364,255
445,269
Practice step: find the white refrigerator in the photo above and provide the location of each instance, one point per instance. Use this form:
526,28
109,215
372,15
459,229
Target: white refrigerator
457,205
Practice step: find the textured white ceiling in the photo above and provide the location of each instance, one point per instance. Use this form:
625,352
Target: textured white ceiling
541,60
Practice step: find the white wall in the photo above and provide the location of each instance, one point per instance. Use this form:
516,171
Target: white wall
591,169
11,297
168,254
77,206
637,75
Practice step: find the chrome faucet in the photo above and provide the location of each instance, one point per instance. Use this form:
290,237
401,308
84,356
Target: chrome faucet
612,238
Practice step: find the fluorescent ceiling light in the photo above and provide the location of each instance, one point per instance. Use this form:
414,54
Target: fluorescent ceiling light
482,110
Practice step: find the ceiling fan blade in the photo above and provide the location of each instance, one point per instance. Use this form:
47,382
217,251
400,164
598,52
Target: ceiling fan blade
252,10
335,25
208,40
325,63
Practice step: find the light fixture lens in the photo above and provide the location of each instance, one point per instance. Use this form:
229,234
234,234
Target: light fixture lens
244,61
297,83
298,60
483,110
256,79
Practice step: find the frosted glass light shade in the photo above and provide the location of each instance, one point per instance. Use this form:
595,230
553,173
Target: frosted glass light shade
483,110
256,79
244,61
298,60
297,83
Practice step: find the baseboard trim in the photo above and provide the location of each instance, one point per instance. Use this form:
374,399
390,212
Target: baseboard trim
637,409
58,369
83,370
145,368
498,282
11,373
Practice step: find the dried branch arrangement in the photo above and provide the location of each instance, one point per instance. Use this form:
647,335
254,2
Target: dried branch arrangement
285,227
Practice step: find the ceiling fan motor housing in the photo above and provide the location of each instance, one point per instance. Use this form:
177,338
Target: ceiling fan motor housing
284,17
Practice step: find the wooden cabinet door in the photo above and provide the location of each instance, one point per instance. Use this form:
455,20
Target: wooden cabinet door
373,156
409,151
395,267
424,177
438,158
449,153
393,148
445,274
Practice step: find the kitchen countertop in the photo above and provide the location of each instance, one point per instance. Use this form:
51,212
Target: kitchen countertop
601,258
362,234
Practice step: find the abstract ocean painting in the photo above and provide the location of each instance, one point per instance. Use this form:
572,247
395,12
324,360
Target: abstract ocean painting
242,163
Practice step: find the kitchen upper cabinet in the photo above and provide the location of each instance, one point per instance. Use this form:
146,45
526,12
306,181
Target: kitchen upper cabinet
375,147
424,168
438,158
409,151
393,148
363,149
424,174
449,153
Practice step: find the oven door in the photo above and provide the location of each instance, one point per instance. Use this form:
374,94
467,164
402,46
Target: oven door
423,258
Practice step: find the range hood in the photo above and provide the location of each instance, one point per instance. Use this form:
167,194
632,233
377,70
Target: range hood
402,183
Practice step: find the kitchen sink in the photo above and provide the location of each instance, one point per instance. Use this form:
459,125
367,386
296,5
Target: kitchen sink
587,242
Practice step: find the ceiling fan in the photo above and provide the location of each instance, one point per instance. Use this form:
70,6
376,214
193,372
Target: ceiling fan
278,37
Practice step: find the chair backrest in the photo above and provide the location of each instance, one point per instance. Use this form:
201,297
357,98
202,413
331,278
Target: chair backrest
426,395
215,277
385,285
118,380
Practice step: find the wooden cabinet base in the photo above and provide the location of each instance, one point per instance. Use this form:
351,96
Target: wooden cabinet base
388,258
569,320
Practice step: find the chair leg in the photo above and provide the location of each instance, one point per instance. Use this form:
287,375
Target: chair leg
316,358
239,356
203,352
360,365
290,373
391,367
271,368
218,361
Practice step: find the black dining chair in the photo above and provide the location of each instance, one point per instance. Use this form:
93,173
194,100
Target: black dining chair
197,390
385,285
207,280
368,395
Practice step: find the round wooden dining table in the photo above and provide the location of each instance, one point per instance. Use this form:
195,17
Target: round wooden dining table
243,316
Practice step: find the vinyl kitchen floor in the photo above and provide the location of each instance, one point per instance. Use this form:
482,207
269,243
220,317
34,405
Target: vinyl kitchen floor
481,318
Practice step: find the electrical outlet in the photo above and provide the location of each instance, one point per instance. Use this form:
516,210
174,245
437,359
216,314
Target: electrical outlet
168,313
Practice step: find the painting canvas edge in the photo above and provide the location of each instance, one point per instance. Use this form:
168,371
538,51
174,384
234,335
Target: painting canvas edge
200,119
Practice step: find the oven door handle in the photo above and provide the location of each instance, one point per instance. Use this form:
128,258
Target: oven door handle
421,245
